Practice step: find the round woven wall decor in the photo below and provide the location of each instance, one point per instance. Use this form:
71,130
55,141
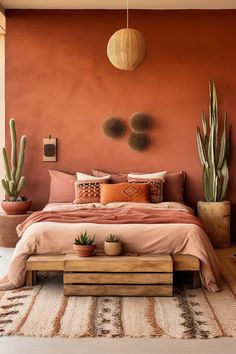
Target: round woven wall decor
113,127
138,142
126,49
140,122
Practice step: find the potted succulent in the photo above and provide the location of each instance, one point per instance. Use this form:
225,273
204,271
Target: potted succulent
214,153
13,182
112,245
84,245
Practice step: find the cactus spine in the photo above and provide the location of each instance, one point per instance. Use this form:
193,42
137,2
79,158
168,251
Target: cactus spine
13,181
214,155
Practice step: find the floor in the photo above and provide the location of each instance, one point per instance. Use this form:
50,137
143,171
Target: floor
15,345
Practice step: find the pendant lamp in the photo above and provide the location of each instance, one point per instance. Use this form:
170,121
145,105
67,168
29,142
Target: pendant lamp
126,49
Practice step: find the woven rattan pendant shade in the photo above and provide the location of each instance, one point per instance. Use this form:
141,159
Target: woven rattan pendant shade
126,49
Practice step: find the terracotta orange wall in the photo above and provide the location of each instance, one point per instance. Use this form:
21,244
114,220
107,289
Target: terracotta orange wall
60,82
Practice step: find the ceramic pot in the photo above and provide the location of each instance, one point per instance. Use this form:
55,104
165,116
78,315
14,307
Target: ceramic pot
215,217
84,251
112,248
16,208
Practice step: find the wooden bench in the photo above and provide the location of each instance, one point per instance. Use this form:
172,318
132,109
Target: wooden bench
144,275
54,263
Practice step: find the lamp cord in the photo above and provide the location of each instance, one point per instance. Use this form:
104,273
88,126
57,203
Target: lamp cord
127,12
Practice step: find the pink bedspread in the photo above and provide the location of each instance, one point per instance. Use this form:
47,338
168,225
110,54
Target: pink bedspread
56,236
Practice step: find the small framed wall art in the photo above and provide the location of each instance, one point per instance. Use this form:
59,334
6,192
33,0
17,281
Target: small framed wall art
49,149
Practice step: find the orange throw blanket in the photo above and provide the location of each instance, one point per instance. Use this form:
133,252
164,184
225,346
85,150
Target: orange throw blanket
119,215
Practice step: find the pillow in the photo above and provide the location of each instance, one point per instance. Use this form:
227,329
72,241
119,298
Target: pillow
160,175
174,187
83,177
124,192
155,187
115,178
88,190
173,190
61,187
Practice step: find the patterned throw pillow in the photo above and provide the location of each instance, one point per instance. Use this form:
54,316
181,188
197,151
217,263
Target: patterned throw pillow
155,190
173,187
124,192
87,188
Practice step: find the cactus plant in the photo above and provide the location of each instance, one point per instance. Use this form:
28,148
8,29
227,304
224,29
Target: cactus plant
113,238
14,181
214,155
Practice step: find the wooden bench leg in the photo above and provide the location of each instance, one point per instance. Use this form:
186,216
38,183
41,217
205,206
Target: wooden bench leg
30,279
196,280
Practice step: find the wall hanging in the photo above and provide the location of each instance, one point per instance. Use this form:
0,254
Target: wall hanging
140,122
49,149
113,127
138,142
126,49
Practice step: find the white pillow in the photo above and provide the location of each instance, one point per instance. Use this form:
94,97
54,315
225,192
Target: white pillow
84,177
160,175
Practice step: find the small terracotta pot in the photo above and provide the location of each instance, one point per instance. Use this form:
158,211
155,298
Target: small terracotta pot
85,251
16,208
112,248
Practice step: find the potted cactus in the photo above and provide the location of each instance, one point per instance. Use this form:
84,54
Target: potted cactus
112,245
84,245
214,154
13,182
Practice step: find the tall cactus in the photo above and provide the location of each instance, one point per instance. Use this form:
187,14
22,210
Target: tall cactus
214,155
13,181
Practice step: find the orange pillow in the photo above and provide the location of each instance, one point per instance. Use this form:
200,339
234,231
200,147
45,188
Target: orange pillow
124,192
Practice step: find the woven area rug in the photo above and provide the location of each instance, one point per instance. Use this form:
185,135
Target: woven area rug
43,311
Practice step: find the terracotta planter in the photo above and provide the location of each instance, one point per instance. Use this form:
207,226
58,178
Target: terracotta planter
112,248
16,208
215,217
85,251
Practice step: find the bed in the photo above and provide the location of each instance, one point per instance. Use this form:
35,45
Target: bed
44,236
